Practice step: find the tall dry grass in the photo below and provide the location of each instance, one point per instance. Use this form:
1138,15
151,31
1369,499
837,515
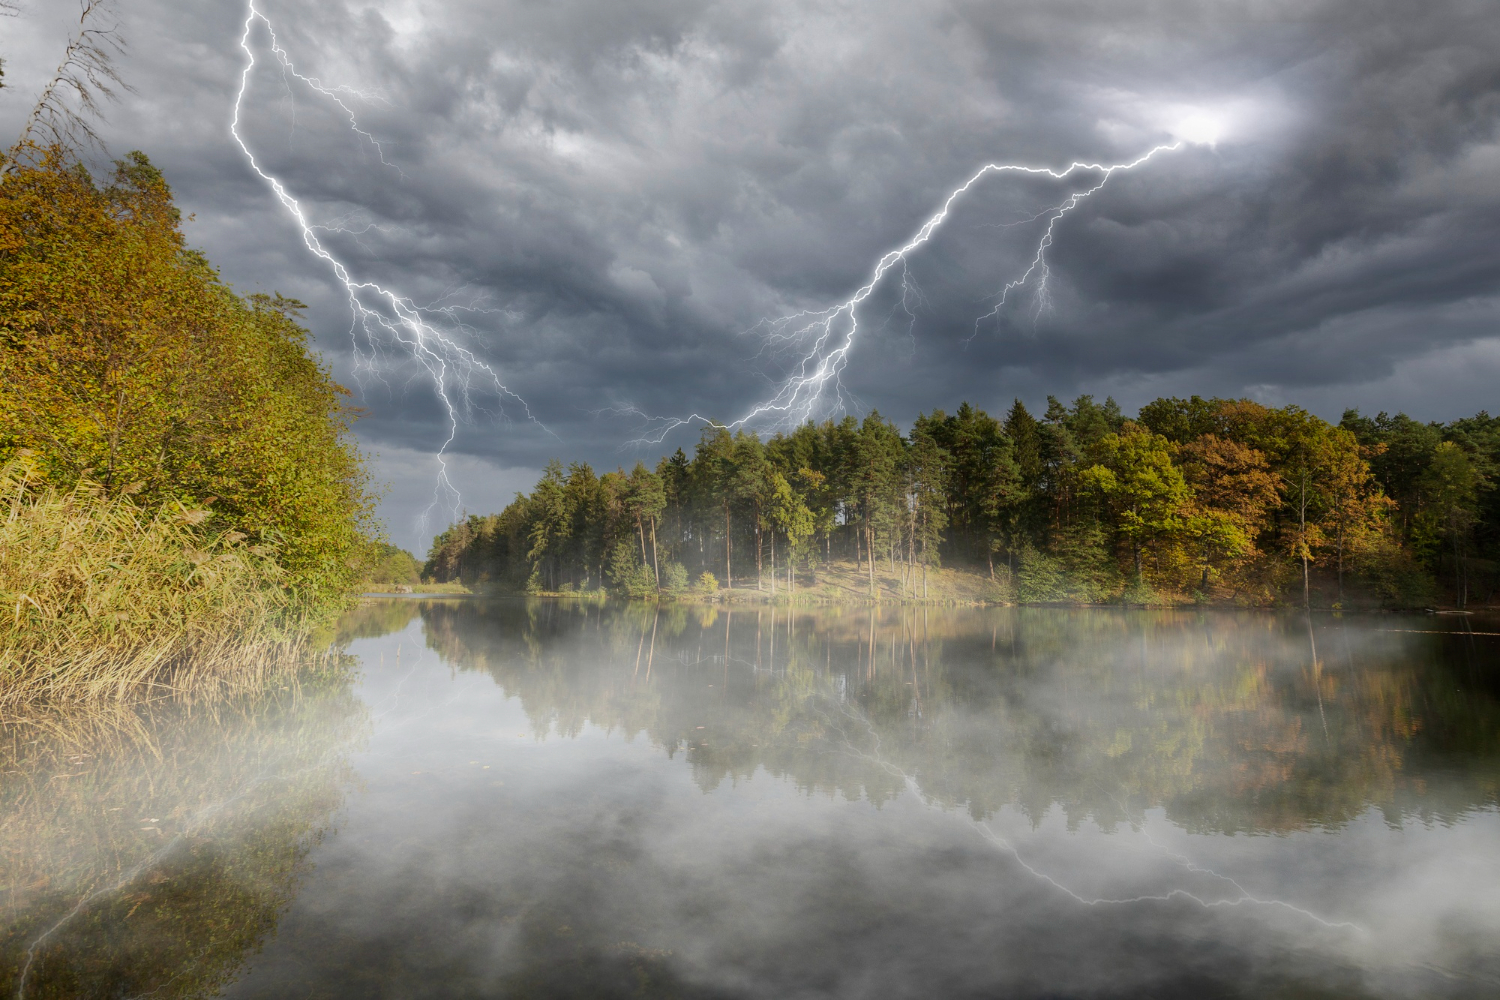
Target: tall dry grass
102,598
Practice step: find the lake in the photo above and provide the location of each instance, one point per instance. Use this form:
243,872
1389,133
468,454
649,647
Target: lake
559,799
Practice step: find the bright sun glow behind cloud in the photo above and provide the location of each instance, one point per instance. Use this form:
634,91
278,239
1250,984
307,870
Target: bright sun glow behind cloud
1200,128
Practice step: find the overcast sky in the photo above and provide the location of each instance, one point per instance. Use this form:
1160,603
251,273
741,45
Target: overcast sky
604,200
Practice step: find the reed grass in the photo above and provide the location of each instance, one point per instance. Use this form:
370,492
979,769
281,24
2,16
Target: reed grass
101,598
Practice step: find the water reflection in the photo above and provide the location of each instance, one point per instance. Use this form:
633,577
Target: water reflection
558,799
149,850
1229,723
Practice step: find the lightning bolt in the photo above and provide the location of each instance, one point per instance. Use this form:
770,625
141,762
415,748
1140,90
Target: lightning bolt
382,315
830,334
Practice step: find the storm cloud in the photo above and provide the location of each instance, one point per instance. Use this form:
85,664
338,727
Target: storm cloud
603,199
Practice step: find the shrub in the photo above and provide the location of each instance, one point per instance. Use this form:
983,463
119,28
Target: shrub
708,583
674,578
630,575
1040,578
1395,574
385,564
1139,592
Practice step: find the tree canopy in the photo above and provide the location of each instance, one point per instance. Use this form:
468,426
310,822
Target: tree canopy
1208,499
124,359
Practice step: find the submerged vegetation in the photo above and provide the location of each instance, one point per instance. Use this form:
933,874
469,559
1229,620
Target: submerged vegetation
1199,500
183,497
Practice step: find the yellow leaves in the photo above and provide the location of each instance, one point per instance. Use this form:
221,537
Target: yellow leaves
121,353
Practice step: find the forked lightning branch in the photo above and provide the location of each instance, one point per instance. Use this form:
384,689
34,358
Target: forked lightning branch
821,340
385,317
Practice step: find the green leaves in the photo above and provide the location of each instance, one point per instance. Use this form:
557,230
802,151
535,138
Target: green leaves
122,353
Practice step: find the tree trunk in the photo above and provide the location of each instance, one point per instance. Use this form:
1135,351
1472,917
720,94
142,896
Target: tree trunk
1340,544
1302,542
773,564
759,548
924,558
114,439
655,566
1458,589
728,551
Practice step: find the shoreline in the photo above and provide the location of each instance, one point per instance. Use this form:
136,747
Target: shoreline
843,583
752,598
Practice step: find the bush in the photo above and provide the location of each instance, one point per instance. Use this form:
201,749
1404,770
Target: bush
1395,574
629,574
708,583
1139,592
1089,571
386,564
674,578
1040,578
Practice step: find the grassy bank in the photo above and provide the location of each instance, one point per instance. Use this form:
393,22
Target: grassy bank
843,582
381,589
104,598
184,504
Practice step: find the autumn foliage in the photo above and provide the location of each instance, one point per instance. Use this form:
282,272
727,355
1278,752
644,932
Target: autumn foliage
125,362
1194,500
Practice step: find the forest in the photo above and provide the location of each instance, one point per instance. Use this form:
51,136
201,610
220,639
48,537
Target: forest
1193,500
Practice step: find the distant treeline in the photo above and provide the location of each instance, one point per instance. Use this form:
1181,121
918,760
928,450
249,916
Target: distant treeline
1206,499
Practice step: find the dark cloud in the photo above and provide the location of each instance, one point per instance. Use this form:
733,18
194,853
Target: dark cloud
607,197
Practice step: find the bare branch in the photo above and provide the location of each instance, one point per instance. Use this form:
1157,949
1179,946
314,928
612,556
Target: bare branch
8,8
69,105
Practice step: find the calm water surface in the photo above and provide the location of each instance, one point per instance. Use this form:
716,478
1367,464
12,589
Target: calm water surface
545,799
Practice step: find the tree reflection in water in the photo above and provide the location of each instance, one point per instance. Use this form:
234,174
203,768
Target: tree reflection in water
1225,721
170,848
148,850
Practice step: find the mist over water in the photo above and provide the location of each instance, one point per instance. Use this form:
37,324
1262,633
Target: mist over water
559,799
